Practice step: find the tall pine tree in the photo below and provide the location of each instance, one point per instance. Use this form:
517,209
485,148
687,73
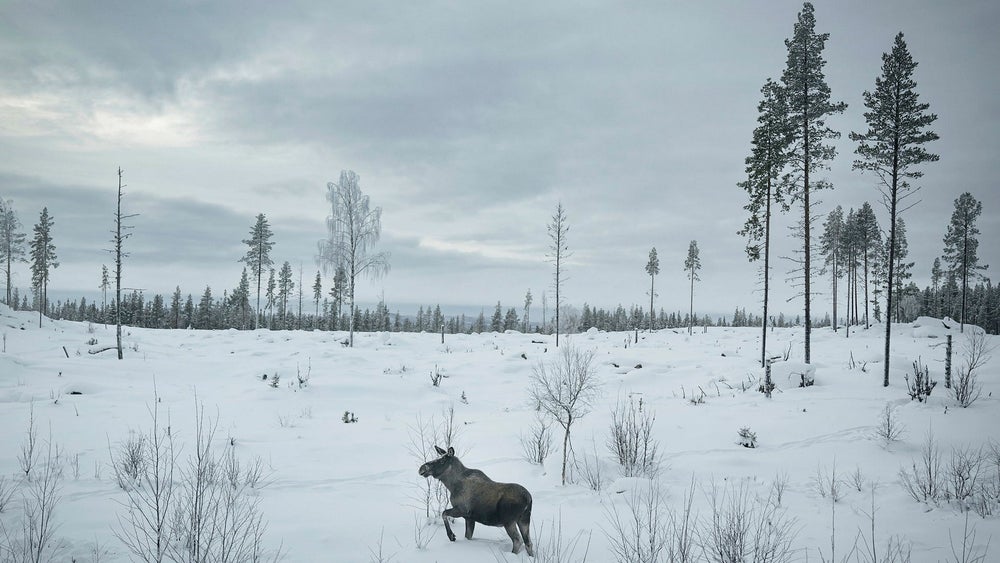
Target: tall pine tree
652,268
768,157
808,107
691,265
830,246
892,147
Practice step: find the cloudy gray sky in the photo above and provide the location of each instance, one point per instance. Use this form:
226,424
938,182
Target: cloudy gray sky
467,122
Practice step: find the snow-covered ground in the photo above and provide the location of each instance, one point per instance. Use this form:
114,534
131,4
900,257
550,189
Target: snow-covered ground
336,488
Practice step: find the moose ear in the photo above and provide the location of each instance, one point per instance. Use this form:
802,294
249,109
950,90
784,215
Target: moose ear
451,451
439,451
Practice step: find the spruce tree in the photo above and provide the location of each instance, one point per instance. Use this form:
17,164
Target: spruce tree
43,260
870,240
892,147
961,245
285,287
258,256
175,308
809,106
768,157
317,295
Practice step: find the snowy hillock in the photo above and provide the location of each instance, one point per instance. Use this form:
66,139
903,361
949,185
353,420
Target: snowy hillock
335,435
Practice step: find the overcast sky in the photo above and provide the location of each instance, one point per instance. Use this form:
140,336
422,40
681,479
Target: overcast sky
467,122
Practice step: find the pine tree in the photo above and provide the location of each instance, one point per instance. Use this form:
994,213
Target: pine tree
768,157
119,234
691,265
870,241
285,287
892,147
510,320
961,245
808,107
652,268
558,253
43,260
258,256
11,245
936,277
830,246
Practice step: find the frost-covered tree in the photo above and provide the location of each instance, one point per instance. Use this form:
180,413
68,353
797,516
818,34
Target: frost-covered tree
258,256
558,253
892,147
353,229
11,244
830,245
764,166
652,268
809,106
43,259
691,265
527,309
961,245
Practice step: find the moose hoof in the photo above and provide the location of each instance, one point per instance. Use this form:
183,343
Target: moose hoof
451,536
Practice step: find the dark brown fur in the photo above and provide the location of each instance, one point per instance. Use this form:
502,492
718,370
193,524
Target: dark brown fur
477,498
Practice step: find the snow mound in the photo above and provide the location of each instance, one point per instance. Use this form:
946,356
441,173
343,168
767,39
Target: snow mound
792,371
930,327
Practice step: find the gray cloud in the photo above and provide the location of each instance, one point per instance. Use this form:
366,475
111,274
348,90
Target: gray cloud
467,123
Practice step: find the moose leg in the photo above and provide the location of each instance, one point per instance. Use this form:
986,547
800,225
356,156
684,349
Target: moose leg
514,536
470,525
523,525
450,513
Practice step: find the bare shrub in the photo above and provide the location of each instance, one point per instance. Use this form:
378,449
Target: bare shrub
536,445
423,532
553,545
432,496
778,486
631,439
966,387
130,460
856,479
888,429
897,549
564,390
923,481
827,483
35,541
744,528
648,531
967,551
27,454
962,474
589,467
7,490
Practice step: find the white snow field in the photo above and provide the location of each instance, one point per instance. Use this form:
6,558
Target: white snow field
339,491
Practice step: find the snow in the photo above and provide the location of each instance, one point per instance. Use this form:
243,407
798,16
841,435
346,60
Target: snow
335,489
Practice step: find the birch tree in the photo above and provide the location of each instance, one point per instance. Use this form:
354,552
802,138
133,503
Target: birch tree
353,229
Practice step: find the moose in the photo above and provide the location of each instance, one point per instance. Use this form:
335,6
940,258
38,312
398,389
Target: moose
477,498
